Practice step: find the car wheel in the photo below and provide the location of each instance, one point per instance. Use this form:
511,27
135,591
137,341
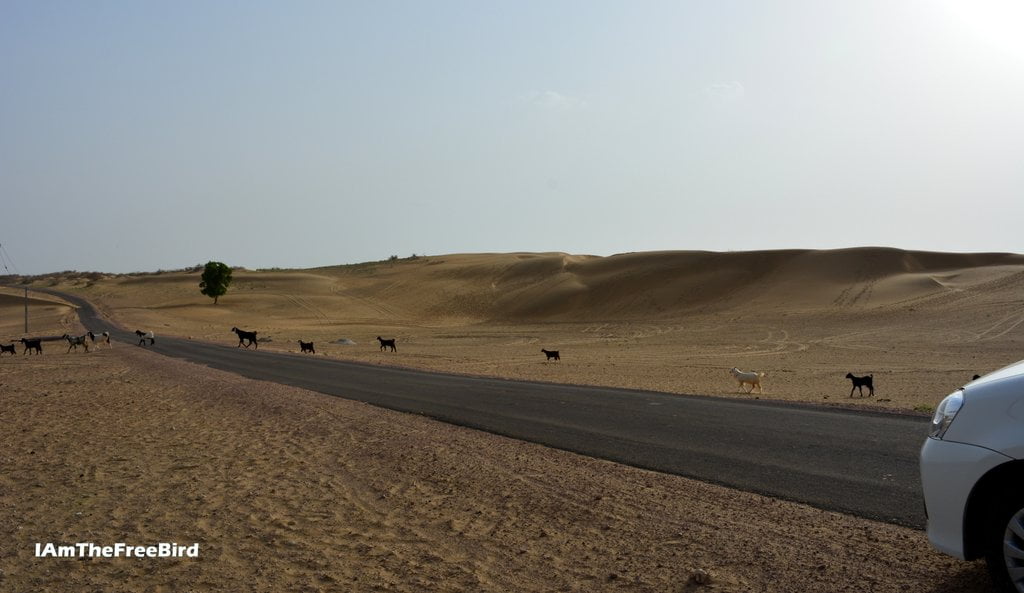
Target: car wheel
1005,554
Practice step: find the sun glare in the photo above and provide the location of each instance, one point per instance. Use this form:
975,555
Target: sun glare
998,23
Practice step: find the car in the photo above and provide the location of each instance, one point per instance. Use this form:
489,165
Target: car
972,475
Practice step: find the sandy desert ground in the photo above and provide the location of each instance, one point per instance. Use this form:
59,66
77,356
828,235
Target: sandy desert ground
287,490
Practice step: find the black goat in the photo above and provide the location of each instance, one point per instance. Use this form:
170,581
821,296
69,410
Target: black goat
387,344
34,344
551,354
859,383
307,347
10,349
246,336
143,336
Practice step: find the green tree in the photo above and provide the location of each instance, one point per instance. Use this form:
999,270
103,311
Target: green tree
216,279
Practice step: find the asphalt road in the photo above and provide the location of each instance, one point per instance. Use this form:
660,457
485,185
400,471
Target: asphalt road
864,464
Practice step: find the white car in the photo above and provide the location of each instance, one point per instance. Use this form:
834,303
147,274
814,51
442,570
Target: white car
972,472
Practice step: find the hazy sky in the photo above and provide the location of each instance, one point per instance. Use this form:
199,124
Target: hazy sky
142,135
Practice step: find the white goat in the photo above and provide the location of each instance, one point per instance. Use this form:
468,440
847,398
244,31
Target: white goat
753,377
102,338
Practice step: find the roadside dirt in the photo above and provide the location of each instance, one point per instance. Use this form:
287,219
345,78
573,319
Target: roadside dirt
289,490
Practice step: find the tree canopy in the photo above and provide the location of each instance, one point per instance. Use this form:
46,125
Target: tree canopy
216,279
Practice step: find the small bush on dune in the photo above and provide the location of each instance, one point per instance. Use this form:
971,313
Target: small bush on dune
216,279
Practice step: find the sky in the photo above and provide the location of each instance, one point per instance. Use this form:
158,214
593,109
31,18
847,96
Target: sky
139,135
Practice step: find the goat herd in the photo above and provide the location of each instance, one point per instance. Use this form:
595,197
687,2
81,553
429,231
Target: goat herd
248,338
35,345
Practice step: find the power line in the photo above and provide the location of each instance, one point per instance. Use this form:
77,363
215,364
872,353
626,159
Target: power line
6,257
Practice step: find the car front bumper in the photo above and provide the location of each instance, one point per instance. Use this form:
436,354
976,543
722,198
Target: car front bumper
949,471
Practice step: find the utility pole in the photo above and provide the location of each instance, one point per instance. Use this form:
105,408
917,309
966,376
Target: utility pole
4,257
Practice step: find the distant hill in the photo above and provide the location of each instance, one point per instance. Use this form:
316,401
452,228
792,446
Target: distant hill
554,286
562,287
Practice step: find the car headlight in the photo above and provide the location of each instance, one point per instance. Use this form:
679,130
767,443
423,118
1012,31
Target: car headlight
945,414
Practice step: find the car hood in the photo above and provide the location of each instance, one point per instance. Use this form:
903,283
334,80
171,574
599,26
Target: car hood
1011,370
993,412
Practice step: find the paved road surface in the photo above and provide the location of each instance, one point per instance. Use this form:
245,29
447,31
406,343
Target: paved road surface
860,463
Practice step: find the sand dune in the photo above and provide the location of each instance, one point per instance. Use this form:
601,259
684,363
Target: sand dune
48,315
560,287
11,300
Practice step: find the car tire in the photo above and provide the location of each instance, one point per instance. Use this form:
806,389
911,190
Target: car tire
1004,546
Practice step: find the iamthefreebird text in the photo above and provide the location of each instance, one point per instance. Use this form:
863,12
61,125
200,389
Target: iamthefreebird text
118,550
